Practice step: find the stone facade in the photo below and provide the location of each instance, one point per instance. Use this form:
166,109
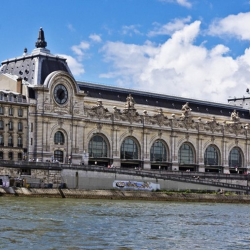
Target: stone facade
118,127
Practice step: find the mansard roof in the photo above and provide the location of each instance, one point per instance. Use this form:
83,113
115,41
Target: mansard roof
35,67
160,100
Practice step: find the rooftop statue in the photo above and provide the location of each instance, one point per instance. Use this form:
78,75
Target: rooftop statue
186,110
235,116
130,103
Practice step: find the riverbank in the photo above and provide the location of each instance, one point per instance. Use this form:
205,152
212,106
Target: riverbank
215,197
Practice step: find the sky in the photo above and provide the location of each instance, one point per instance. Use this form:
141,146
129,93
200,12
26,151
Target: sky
197,49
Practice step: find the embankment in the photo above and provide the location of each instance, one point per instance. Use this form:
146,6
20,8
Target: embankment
125,195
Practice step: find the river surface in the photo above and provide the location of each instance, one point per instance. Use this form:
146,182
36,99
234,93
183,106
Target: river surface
47,223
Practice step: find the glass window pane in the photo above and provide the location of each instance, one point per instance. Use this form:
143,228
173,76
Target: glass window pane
98,147
158,152
211,156
129,149
186,154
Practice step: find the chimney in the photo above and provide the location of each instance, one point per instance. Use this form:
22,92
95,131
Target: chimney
19,85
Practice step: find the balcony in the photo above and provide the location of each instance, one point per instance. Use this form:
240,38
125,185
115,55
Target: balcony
10,144
19,145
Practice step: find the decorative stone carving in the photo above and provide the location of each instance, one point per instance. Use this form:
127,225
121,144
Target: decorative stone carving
235,116
129,113
187,123
212,125
186,111
160,119
130,103
99,111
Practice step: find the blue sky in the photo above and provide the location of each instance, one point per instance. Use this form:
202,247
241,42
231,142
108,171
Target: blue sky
190,48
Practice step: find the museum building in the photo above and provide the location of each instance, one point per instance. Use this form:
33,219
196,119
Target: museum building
46,115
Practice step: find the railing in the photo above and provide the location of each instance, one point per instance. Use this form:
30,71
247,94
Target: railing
164,175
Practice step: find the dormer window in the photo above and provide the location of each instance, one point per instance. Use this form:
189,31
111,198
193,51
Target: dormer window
20,98
1,96
10,97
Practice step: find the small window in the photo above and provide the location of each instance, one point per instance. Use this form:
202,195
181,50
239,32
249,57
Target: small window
1,155
20,98
1,96
10,155
10,111
10,97
20,112
1,140
1,125
19,142
31,127
20,126
20,156
10,141
10,125
1,110
31,141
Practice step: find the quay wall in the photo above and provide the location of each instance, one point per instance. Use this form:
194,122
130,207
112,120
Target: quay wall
92,180
125,195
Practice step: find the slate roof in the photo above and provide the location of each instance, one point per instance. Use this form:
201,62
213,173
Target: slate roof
35,67
160,100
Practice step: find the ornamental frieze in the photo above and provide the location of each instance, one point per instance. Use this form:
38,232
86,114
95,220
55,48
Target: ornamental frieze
213,125
159,119
98,111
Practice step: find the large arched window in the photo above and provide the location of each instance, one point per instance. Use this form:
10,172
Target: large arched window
186,154
211,156
129,149
59,138
98,147
58,155
235,158
158,152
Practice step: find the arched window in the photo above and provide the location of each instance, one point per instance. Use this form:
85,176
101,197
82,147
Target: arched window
98,147
59,138
1,140
19,142
20,126
211,156
10,141
1,155
158,152
186,155
58,155
129,149
235,158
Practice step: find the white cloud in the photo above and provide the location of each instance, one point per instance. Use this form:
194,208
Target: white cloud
70,27
79,50
95,38
233,25
130,30
179,67
169,28
75,67
184,3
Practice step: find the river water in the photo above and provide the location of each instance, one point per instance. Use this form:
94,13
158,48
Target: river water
47,223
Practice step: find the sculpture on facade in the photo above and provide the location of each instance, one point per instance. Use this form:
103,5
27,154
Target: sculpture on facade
130,103
186,110
235,116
